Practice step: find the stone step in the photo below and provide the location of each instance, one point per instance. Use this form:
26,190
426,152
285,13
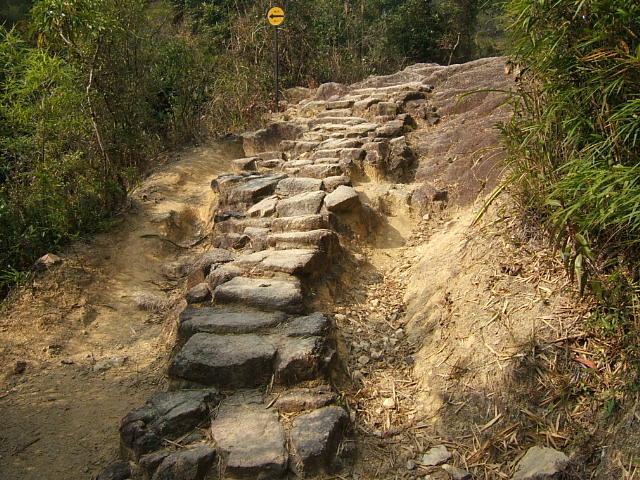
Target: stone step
272,155
229,320
297,147
168,415
264,208
325,153
342,112
273,165
339,104
335,120
269,138
301,223
245,164
248,360
254,190
329,184
221,320
299,163
225,361
296,185
315,438
264,293
294,261
340,143
308,203
186,464
252,442
342,199
323,239
327,161
365,104
238,225
322,170
301,399
249,439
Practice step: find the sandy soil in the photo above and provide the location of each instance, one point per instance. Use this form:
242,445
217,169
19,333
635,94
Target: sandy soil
93,330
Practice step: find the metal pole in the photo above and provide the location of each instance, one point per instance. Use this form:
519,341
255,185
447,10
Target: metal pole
277,70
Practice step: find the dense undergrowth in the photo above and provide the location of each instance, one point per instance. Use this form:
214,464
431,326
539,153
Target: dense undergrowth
574,146
92,90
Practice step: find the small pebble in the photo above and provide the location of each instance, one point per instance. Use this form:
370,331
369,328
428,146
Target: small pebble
436,456
363,360
456,473
19,367
411,464
388,403
340,317
376,354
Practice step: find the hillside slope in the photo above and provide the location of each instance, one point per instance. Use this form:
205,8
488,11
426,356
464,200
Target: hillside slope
310,299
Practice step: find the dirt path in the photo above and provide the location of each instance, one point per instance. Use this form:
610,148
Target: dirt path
91,330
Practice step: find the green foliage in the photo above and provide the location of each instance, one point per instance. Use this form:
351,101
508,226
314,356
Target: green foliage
574,143
109,84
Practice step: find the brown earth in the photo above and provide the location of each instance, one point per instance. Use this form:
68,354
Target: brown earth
106,302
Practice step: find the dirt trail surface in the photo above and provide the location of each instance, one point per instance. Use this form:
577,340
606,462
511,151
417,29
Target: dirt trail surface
91,329
326,307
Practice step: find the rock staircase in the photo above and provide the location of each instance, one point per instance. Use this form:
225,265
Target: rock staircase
250,389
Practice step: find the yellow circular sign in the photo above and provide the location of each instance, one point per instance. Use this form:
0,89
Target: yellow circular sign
275,16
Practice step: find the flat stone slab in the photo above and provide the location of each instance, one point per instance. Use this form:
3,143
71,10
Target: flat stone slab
297,147
264,208
342,199
115,471
327,161
300,223
245,164
340,143
329,184
295,261
296,185
250,441
298,360
222,275
326,153
272,155
315,438
541,463
263,293
324,120
188,464
165,415
339,104
238,361
301,399
322,170
198,294
302,204
215,256
316,324
253,189
324,239
224,321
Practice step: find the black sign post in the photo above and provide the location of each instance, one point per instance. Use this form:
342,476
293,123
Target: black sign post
275,16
